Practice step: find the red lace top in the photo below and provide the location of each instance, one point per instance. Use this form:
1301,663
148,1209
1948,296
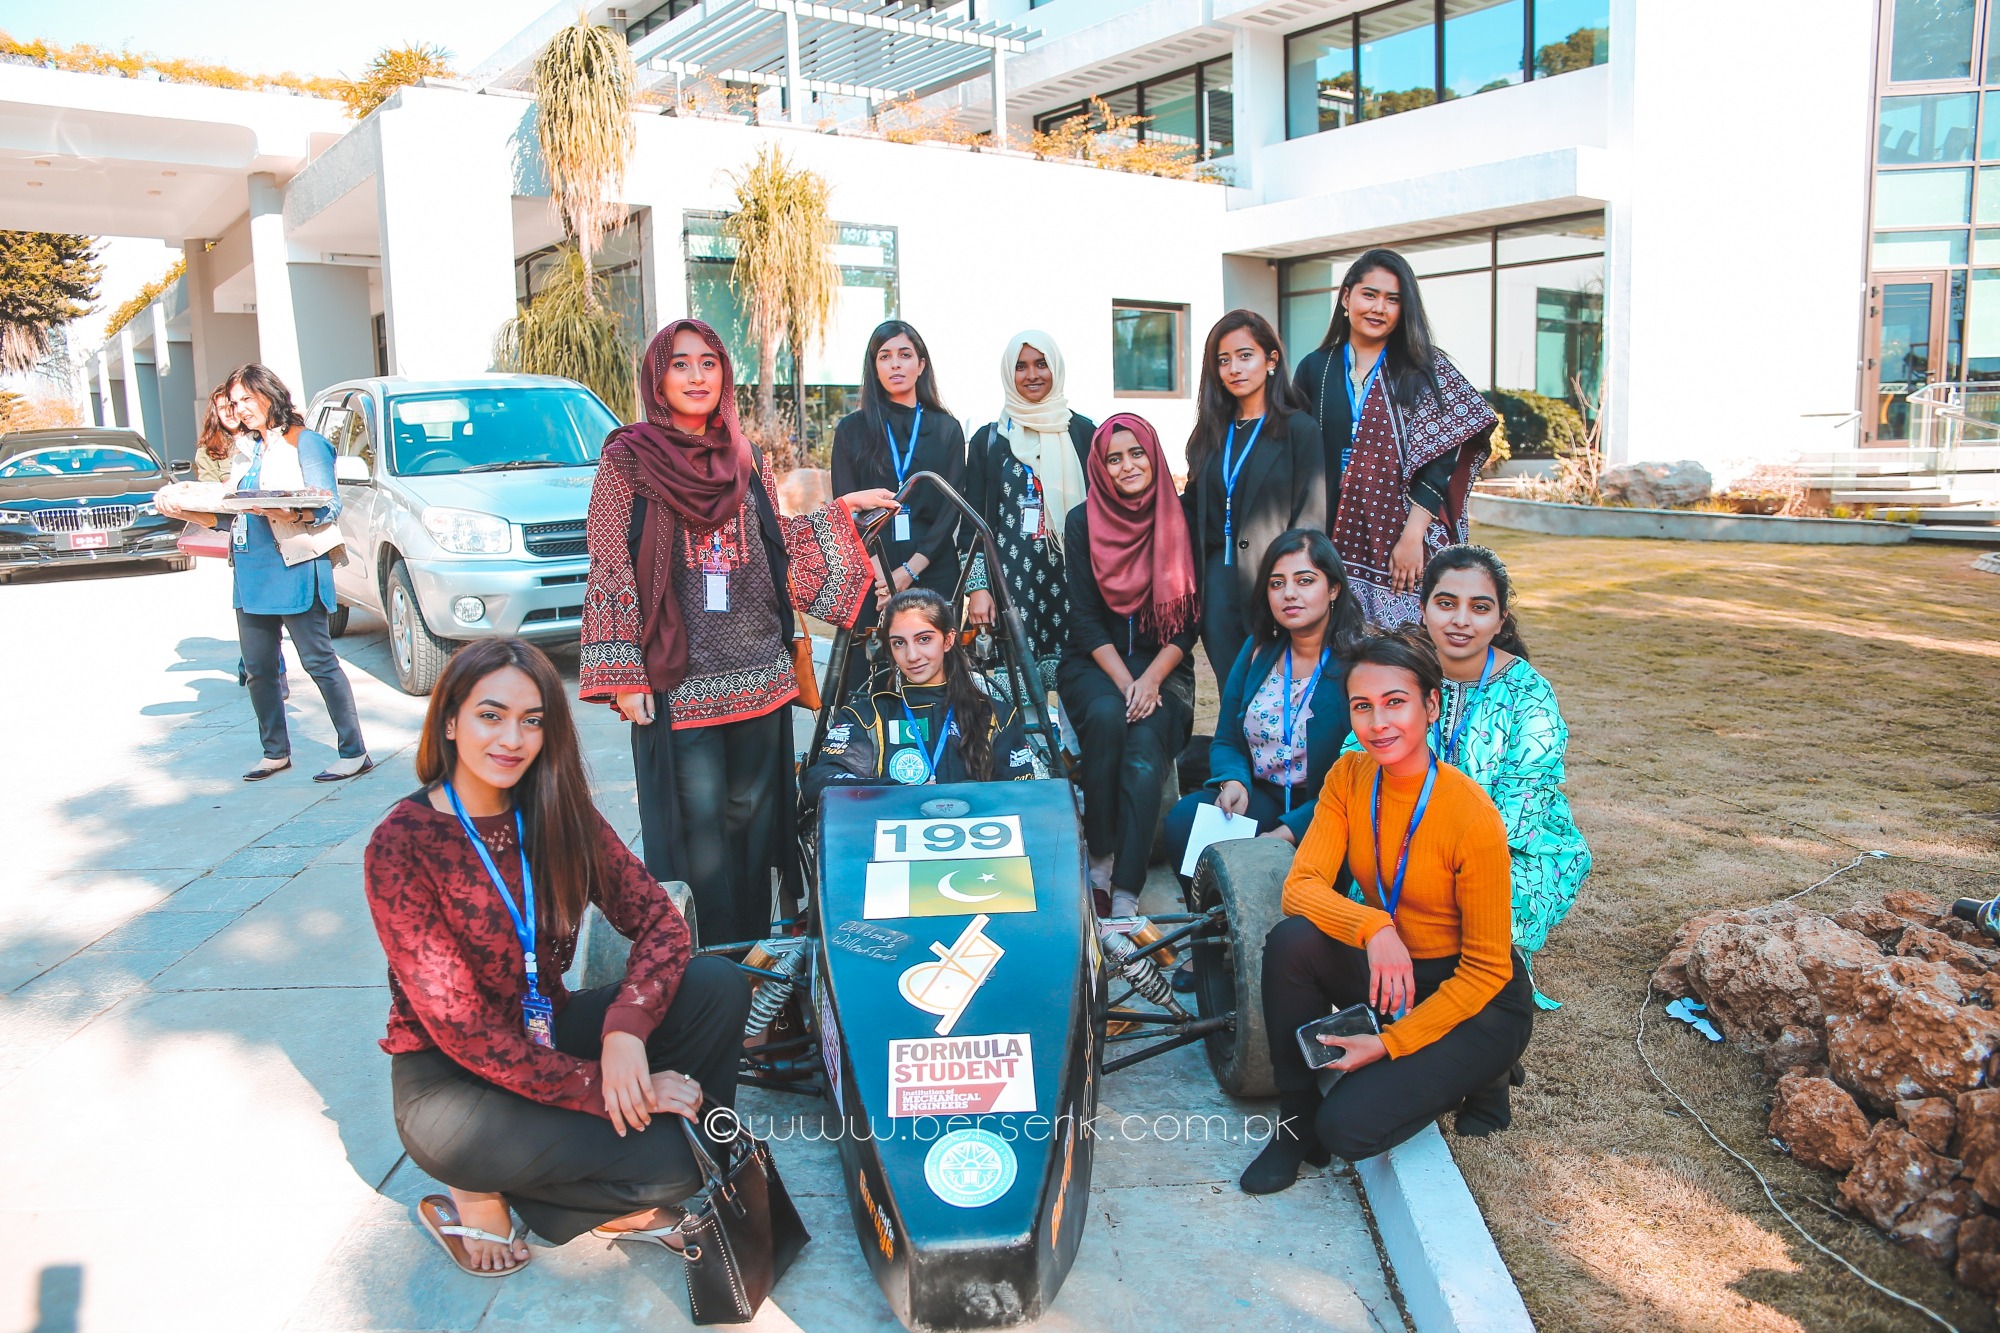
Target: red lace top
456,975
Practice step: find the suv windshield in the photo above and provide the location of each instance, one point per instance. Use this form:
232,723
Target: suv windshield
76,461
494,430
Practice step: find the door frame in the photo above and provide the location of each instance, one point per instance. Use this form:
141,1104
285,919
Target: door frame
1873,407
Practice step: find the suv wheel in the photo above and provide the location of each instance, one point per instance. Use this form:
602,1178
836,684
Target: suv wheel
336,621
419,654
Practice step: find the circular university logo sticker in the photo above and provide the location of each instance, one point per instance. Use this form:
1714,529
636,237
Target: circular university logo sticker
969,1168
908,768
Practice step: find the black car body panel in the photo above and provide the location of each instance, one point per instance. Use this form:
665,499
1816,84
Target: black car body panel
63,519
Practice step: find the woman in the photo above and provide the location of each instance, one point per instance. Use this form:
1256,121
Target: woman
687,618
1256,468
932,724
507,1088
1127,681
216,448
1024,474
903,428
1284,706
1428,944
289,589
1405,435
1499,725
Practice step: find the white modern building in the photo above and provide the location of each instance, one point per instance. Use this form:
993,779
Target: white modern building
1607,201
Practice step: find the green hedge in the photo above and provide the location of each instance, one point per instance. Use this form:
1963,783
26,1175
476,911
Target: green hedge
1537,426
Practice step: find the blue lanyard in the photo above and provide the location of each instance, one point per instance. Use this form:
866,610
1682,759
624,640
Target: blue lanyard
934,757
902,461
1450,750
1356,402
1394,896
1292,714
1229,475
524,925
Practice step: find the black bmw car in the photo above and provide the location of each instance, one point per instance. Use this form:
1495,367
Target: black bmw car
82,495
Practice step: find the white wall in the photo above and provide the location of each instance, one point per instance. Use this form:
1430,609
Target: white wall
1738,235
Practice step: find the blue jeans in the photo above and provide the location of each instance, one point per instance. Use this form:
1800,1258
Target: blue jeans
263,658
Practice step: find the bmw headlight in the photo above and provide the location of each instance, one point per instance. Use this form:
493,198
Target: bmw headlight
16,518
464,532
147,510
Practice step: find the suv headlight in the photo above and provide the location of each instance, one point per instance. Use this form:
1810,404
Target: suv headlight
16,518
147,510
464,532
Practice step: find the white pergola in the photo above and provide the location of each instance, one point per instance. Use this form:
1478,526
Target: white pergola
855,48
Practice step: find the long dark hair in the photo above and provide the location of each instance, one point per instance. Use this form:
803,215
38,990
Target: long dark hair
1405,650
875,399
1508,638
1344,621
962,695
553,795
264,382
1411,367
215,438
1217,405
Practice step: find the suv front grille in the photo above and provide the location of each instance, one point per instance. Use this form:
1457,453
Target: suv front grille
551,540
98,518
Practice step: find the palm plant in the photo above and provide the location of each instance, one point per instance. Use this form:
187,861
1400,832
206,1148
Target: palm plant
569,329
584,83
784,271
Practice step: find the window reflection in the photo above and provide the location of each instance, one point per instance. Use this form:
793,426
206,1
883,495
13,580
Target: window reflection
1319,80
1917,249
1926,129
1571,35
1931,39
1398,59
1922,198
1482,45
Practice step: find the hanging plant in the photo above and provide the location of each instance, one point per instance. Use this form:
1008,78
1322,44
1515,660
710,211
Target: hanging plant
584,83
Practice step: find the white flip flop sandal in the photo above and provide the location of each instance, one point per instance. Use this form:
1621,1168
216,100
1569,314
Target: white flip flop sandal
440,1220
651,1236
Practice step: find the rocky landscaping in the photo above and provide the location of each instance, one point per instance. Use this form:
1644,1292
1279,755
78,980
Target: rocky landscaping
1878,1025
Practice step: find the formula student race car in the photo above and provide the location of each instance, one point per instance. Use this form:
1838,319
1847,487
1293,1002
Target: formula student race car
950,990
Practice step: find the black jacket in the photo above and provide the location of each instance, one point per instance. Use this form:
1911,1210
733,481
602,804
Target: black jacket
1282,486
862,750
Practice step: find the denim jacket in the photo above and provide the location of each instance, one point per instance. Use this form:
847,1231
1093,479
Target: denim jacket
265,584
1326,729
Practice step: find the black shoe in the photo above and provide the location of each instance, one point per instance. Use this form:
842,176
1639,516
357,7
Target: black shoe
1487,1111
260,773
1294,1144
1183,979
367,765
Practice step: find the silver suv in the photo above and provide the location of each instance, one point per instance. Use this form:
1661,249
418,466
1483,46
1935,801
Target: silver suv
462,505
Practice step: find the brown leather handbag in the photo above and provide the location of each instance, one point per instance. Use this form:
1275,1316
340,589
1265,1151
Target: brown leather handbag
802,666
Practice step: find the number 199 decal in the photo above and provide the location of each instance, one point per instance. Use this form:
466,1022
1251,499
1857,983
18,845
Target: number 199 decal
943,839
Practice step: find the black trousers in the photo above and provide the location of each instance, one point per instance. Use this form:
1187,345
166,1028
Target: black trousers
567,1171
1222,630
261,639
724,831
1308,975
1124,764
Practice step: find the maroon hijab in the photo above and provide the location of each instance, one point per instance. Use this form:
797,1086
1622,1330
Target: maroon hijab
1139,547
692,480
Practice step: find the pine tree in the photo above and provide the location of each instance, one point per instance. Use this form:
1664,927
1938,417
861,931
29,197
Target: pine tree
47,279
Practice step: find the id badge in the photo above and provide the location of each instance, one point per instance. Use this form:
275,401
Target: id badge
1031,520
541,1019
900,528
715,586
239,532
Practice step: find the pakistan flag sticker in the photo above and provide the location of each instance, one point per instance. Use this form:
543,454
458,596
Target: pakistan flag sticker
993,885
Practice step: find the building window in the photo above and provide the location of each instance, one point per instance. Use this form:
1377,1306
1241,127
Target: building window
1148,350
1415,53
619,262
1931,39
657,18
1192,108
1518,309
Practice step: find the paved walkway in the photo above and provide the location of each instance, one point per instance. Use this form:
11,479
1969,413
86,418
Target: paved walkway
194,1116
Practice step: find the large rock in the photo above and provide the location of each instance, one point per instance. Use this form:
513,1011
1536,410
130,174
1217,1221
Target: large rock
1930,1226
1747,970
1978,1127
1932,1119
1657,485
1670,979
1972,963
1796,1050
1979,1254
1892,1172
1818,1121
1922,909
1900,1028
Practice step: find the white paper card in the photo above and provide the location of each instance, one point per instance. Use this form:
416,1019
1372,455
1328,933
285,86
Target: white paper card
717,586
902,522
1212,825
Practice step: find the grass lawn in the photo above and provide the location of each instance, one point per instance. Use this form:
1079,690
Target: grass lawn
1742,719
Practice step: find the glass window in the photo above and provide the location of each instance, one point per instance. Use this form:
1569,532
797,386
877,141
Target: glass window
1571,35
1398,58
1482,45
1124,104
1146,349
1992,46
1218,95
1931,39
1918,249
1170,111
1982,326
1302,320
1986,248
1560,238
1926,129
1449,254
488,430
1989,195
1319,80
1922,198
1460,310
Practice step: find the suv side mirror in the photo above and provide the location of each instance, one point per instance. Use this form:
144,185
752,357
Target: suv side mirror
349,468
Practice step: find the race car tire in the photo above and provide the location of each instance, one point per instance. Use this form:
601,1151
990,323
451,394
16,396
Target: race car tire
602,952
1246,878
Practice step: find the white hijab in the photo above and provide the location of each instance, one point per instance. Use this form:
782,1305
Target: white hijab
1039,432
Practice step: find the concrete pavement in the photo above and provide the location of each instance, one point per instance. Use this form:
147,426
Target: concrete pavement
194,1117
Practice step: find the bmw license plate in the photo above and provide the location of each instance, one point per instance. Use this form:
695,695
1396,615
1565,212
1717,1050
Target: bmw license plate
89,541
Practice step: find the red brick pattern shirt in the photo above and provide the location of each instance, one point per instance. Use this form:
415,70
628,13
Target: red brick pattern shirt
456,974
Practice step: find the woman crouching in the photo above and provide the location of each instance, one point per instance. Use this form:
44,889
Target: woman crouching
1428,946
509,1089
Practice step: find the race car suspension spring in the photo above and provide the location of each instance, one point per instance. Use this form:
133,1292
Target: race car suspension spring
786,955
1142,973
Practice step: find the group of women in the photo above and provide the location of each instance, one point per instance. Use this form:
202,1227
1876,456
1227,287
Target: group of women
1372,677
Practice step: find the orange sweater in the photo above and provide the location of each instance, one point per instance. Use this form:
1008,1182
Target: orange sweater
1457,897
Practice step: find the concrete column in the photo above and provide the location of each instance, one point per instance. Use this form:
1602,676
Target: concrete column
151,424
999,97
105,415
1258,74
795,90
162,357
180,403
208,370
338,341
128,361
446,289
277,323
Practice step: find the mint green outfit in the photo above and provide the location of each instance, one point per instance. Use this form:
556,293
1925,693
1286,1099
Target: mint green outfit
1512,745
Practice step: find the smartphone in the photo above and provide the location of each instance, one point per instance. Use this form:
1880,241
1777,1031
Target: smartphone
1353,1021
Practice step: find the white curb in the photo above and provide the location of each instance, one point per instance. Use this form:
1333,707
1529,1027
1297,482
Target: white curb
1451,1274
